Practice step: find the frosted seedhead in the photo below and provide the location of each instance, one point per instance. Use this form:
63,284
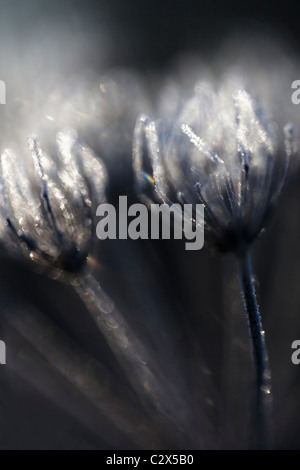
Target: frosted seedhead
48,203
223,152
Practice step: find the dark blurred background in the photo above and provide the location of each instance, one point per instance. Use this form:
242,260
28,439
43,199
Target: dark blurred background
136,33
184,305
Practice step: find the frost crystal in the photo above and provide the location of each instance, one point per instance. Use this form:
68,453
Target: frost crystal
48,203
223,152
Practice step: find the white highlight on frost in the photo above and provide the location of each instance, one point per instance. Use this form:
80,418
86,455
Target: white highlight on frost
200,144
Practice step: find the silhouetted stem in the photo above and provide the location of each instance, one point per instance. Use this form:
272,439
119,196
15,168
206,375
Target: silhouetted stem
263,417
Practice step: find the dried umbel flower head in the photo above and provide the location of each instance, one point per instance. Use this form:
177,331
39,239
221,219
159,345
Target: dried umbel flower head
48,203
222,152
48,208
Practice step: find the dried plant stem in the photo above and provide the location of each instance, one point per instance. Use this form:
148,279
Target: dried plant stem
85,373
263,417
139,364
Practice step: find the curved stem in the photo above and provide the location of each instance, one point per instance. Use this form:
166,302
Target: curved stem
116,412
139,364
263,416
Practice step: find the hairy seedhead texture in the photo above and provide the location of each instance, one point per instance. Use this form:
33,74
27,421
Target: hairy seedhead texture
49,202
224,152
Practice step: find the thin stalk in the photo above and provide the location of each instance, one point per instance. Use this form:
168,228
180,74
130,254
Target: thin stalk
263,415
85,373
139,364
